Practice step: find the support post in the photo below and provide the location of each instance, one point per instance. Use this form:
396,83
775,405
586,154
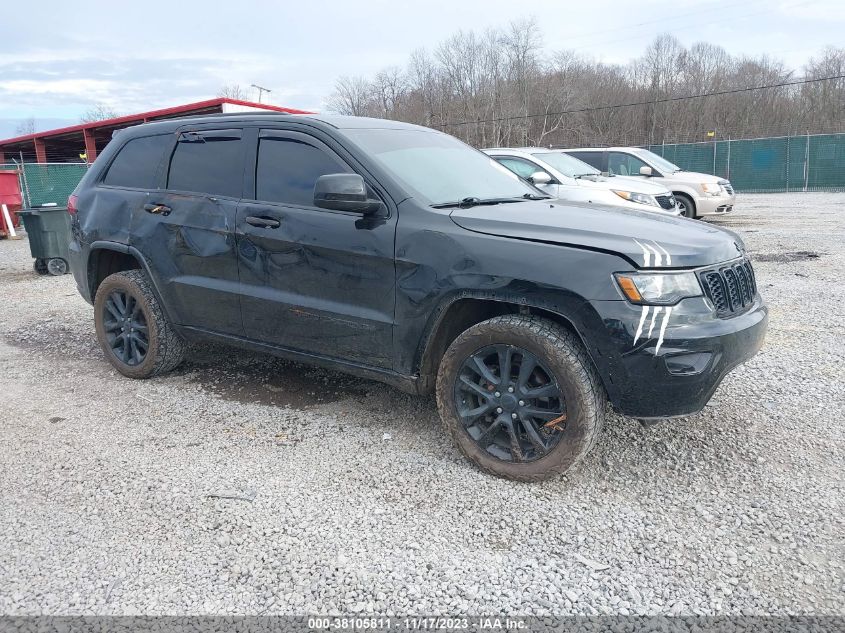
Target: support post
90,146
40,151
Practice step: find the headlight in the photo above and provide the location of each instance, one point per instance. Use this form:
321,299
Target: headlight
641,198
711,188
658,288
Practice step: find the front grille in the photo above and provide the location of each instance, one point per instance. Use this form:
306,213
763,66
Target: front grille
731,288
666,202
727,186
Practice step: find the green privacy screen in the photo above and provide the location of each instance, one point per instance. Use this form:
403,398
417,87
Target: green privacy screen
52,182
786,163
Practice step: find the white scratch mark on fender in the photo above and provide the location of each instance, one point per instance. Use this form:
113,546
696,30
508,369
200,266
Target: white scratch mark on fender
646,254
663,325
653,319
665,252
642,322
658,258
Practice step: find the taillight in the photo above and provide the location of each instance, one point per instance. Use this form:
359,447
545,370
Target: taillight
71,204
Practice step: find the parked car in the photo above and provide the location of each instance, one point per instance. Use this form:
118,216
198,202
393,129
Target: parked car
697,194
562,176
399,253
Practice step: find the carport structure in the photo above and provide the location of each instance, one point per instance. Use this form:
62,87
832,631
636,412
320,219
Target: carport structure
81,143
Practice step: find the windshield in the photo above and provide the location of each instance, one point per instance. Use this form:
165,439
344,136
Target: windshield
439,168
658,161
566,164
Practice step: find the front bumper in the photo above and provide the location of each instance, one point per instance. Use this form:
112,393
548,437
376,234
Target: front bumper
668,363
715,205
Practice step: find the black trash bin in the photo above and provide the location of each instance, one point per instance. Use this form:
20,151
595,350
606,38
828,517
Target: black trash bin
48,230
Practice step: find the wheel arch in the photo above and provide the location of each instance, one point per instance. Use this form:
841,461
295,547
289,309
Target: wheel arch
462,312
106,258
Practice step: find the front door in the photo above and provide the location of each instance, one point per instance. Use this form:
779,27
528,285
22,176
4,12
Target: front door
315,281
186,230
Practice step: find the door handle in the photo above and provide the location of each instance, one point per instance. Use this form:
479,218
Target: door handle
263,222
157,209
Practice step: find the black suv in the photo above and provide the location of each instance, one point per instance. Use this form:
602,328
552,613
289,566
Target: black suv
398,253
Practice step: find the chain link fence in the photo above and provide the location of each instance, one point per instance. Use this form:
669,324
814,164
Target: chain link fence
765,165
812,162
45,183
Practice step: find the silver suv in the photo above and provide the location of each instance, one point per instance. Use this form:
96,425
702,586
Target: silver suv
696,193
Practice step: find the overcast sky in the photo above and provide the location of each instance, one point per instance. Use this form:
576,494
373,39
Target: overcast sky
58,61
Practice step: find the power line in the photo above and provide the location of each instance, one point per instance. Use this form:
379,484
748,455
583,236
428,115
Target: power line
640,103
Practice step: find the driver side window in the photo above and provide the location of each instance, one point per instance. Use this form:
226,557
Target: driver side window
288,168
620,164
519,166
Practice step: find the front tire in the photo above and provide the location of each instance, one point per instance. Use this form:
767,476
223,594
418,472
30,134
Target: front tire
685,205
132,329
520,398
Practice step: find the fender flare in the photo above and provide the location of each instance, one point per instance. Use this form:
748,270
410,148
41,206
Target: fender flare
106,245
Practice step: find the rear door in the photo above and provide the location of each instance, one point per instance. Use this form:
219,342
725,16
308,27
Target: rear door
314,280
186,230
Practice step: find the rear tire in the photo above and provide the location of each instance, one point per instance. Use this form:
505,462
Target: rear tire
132,329
685,205
556,359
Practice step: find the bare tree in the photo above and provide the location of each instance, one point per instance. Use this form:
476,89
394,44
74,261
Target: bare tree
499,87
352,96
27,126
98,112
233,91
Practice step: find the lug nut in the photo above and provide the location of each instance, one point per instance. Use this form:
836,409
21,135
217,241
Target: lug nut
497,394
510,389
513,415
499,410
522,403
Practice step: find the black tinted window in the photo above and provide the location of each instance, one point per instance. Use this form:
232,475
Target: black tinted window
591,158
136,163
287,170
210,162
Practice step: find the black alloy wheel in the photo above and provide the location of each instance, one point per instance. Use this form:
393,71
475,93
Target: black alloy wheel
510,403
125,327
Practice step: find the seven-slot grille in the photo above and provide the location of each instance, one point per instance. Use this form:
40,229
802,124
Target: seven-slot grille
666,202
731,288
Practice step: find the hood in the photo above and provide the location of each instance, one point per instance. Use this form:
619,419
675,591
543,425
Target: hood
648,240
638,185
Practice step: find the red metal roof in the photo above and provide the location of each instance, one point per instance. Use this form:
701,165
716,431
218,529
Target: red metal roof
164,112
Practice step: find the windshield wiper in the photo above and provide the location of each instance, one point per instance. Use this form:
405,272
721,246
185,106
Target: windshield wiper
587,174
534,196
473,201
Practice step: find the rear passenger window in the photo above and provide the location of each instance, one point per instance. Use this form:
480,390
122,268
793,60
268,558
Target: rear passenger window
209,162
288,169
137,162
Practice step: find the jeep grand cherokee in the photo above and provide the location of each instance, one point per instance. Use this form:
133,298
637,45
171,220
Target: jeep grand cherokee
398,253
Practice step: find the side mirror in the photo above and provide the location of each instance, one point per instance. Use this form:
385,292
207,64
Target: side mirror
645,170
344,192
539,178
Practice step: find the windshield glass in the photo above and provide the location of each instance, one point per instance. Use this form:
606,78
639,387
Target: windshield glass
658,161
439,168
566,164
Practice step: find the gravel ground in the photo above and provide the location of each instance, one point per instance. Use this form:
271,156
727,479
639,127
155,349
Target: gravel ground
233,486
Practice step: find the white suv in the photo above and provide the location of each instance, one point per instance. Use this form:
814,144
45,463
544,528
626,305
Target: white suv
696,193
567,178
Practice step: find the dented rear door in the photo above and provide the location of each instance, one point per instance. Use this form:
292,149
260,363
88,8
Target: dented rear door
186,230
